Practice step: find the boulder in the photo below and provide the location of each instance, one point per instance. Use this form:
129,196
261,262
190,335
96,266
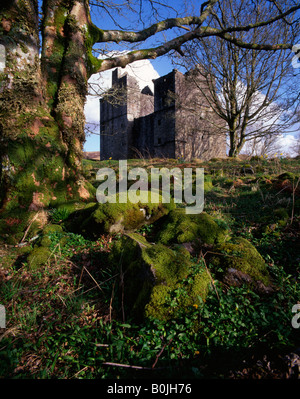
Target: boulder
38,257
179,227
240,262
247,170
41,252
287,182
237,278
97,219
150,275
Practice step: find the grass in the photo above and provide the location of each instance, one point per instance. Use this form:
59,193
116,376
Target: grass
65,320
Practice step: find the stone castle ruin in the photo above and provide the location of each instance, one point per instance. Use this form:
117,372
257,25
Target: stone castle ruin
176,121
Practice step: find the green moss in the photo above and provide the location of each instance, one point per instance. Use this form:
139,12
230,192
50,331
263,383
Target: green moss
55,168
94,63
25,186
272,219
158,308
170,265
139,239
60,17
200,287
281,213
115,216
92,35
38,173
52,228
152,273
38,257
21,154
23,251
97,219
126,255
208,186
180,227
13,223
45,242
241,255
41,253
286,176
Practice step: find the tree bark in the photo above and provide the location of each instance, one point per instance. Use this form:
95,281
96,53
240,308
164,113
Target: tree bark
41,110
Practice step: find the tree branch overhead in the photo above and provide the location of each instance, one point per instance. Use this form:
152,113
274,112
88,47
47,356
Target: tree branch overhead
194,25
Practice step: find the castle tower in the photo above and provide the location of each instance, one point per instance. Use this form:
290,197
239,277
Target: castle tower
119,108
164,121
199,133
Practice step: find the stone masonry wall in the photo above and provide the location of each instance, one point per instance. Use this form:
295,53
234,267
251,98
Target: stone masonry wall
177,122
199,132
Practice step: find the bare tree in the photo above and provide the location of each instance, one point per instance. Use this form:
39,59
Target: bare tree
250,90
51,54
297,148
266,145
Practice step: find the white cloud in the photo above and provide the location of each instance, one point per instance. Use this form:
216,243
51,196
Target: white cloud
287,143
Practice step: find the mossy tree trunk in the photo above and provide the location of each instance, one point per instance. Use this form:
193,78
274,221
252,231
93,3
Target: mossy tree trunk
42,95
42,108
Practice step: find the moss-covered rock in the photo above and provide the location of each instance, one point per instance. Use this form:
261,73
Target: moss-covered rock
286,176
240,255
97,219
38,257
278,217
52,228
208,185
179,227
45,242
41,252
152,273
281,216
287,183
136,277
247,169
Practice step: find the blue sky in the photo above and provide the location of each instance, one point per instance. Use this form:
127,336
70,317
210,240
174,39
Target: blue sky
162,65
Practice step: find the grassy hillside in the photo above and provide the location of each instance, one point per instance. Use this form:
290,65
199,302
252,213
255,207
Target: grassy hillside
65,294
